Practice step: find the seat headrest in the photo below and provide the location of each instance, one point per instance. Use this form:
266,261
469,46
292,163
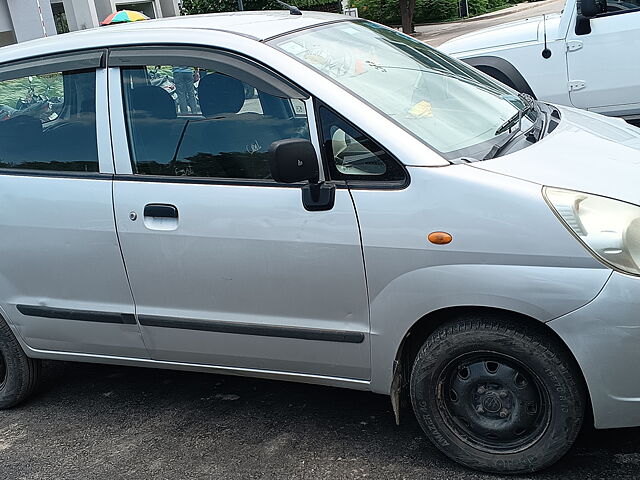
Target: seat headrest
152,101
219,94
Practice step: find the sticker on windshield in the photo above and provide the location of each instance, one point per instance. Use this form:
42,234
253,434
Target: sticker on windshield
421,109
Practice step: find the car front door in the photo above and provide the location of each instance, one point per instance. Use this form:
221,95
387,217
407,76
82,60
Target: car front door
63,284
226,266
604,65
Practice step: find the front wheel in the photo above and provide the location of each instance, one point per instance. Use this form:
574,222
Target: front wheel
496,396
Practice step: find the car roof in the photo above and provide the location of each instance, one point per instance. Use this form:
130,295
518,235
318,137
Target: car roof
258,25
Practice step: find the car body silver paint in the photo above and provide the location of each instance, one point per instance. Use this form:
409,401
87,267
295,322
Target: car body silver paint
250,255
508,251
57,233
604,337
582,151
350,383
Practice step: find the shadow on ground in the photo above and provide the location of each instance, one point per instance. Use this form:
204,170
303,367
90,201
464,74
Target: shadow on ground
107,422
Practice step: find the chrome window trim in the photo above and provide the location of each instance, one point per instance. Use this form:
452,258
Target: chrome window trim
103,127
315,135
121,154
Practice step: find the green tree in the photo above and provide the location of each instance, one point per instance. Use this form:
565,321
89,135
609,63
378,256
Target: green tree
194,7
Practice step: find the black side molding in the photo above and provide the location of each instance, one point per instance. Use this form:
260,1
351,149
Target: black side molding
194,324
252,329
79,315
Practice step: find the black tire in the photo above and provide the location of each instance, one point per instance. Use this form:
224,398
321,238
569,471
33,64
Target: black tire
19,374
497,396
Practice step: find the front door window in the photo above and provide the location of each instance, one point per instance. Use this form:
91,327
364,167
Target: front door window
191,122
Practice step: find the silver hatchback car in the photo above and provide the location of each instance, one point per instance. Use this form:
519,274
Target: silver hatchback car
321,199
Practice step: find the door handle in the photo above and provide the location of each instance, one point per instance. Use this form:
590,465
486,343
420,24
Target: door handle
160,210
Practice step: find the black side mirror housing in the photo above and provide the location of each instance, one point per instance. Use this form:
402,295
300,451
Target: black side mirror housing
583,25
293,160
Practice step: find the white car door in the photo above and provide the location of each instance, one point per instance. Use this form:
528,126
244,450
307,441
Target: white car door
226,266
604,65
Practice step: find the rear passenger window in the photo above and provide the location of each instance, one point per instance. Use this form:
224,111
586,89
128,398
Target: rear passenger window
187,121
48,122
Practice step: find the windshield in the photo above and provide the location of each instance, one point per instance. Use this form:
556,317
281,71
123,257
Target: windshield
448,105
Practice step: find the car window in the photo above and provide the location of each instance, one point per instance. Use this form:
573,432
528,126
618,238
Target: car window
352,155
609,7
48,122
188,121
615,6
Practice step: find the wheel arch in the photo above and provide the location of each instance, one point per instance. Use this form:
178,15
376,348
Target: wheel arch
501,70
427,324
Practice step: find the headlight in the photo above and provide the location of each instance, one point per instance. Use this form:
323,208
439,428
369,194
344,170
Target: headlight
610,229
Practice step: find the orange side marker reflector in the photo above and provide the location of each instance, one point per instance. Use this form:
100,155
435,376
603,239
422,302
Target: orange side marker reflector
440,238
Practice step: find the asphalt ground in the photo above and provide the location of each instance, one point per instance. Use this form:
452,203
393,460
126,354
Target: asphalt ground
107,422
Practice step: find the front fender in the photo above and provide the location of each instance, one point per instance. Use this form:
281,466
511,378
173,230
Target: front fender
542,293
509,252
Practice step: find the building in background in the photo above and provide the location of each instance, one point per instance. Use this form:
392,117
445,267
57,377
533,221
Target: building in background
22,20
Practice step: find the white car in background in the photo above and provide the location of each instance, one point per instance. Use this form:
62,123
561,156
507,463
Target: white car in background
588,56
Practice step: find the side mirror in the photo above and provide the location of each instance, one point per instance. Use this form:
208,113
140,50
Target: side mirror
583,25
293,160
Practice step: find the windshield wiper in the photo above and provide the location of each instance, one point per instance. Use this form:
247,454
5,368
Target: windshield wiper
537,131
501,145
530,104
516,118
533,134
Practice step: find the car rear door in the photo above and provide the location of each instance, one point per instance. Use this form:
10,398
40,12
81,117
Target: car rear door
226,266
604,65
62,283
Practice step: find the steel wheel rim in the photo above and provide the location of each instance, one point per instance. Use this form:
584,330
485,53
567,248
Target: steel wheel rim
493,402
